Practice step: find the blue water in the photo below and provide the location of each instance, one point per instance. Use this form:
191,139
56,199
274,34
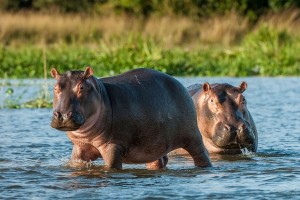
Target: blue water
34,158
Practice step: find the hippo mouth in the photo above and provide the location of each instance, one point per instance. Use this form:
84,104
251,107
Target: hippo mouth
237,147
65,127
234,141
72,124
233,145
234,148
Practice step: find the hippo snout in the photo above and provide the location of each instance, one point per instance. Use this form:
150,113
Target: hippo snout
62,117
233,136
68,121
229,129
245,135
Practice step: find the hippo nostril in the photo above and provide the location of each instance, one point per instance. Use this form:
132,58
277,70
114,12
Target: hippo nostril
242,127
227,128
57,115
67,116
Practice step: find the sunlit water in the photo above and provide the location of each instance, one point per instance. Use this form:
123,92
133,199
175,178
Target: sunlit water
34,158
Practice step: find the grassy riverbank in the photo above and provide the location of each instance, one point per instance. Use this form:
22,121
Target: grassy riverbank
262,53
219,46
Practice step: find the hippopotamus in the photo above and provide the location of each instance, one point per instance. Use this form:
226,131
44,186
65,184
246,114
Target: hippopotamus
135,117
224,121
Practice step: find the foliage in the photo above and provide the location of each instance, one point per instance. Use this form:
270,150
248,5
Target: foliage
14,101
265,52
190,8
193,38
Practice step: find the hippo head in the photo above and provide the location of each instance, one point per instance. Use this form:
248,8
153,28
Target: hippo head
224,118
72,96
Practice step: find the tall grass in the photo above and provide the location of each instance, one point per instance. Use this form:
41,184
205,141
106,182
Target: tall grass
264,52
37,28
228,45
219,46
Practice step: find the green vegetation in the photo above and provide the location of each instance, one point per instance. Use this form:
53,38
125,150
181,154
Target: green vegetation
176,37
181,38
13,101
265,52
190,8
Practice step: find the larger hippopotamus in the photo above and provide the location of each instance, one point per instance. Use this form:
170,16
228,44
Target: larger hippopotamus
224,121
136,117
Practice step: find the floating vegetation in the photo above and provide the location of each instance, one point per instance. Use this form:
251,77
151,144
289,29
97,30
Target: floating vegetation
12,100
37,103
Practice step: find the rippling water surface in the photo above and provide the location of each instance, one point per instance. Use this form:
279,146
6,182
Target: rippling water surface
34,158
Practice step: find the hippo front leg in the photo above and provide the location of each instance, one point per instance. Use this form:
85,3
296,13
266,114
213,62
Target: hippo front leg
199,154
112,155
85,153
158,164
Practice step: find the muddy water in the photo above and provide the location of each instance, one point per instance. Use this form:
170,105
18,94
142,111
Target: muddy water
34,158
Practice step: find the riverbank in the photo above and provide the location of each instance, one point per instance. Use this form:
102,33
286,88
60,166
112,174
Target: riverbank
32,43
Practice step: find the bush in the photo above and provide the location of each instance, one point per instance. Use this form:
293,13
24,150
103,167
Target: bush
264,52
190,8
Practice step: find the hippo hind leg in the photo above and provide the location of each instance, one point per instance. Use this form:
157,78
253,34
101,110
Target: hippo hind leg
199,154
158,164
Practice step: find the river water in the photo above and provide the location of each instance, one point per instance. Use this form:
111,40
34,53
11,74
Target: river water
34,158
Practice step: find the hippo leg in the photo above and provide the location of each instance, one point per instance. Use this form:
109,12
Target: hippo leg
112,156
85,152
158,164
199,154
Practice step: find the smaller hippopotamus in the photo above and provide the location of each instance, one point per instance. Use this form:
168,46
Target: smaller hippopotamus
136,117
223,119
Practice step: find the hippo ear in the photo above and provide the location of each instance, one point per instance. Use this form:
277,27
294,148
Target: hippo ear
54,73
243,87
87,73
206,87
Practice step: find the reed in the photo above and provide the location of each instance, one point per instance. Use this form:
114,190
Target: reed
218,46
227,45
39,29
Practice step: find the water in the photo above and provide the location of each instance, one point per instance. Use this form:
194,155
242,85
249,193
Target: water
34,158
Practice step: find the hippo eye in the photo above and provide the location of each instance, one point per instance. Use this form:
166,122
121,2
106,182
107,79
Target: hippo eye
56,89
211,100
81,87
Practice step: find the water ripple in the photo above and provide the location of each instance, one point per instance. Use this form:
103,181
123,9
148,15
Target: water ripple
34,158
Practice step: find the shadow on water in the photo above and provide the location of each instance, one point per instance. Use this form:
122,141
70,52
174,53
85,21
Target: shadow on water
232,158
178,166
97,170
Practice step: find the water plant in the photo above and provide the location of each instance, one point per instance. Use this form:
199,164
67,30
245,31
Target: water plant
13,100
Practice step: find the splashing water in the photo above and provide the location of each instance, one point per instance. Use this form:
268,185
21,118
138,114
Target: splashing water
245,151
